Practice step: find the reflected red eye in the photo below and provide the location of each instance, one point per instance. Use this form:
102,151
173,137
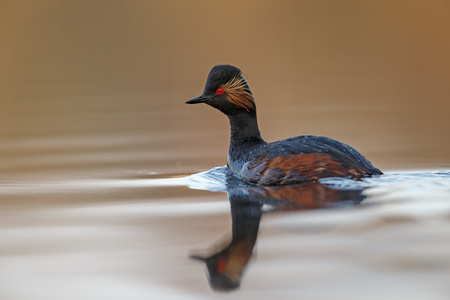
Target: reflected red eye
221,265
219,91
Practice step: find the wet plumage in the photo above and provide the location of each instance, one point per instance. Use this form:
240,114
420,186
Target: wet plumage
294,160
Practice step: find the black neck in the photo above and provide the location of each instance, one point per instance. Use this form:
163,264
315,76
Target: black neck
244,129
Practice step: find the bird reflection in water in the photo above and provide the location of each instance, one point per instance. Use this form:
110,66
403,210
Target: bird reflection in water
226,266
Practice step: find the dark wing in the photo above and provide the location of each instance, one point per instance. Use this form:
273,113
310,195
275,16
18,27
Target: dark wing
306,158
340,152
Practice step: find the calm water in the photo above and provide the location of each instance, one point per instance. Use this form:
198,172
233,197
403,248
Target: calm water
112,188
116,216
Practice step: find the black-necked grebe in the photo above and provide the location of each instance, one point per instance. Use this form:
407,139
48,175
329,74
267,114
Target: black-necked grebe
294,160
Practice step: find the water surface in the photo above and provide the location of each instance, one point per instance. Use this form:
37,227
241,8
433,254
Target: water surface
139,233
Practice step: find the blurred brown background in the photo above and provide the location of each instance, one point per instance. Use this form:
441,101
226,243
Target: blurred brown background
374,74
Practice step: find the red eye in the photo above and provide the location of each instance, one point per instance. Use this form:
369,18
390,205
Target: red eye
219,91
221,265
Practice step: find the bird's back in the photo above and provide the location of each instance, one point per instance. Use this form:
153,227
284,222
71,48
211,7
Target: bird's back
300,159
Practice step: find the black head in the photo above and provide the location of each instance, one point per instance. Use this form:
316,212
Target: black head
221,276
226,90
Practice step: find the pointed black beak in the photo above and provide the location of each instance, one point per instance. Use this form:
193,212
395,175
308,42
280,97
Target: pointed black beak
199,99
197,257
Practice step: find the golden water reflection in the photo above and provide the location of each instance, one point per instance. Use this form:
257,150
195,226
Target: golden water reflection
248,204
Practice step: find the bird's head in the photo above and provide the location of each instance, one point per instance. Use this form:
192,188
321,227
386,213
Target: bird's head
227,90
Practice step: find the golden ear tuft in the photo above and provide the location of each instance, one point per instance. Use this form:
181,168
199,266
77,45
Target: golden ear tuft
237,92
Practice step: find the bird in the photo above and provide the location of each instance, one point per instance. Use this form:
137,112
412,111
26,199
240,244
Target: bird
290,161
